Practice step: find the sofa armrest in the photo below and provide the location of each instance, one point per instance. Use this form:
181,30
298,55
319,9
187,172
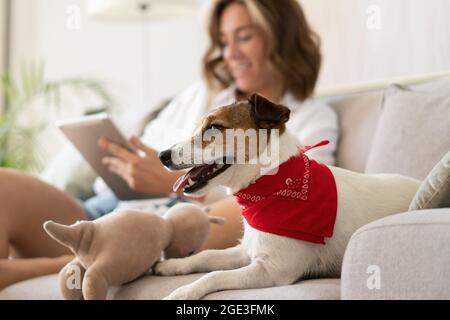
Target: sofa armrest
405,256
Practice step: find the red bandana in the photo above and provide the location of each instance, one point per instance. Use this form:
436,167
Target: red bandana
299,201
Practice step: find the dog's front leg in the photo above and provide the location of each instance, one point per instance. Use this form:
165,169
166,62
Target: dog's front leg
254,275
205,261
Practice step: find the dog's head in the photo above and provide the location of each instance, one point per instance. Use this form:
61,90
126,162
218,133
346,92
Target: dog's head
226,140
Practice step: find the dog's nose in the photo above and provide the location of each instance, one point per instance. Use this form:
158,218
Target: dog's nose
165,157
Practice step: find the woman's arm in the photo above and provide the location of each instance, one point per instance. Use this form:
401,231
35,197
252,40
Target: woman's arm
15,270
143,173
229,234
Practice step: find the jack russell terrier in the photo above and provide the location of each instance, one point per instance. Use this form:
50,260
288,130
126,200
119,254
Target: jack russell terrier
299,216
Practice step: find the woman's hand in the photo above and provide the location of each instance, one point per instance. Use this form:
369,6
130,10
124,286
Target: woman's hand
144,172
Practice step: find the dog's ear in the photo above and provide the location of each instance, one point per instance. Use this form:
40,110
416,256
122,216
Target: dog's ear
265,113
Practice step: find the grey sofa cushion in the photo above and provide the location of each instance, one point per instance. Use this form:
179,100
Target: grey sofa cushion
412,133
358,115
434,191
409,253
155,287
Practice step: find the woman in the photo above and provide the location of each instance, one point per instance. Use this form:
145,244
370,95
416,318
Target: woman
263,46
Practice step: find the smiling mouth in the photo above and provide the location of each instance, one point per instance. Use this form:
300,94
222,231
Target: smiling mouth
198,177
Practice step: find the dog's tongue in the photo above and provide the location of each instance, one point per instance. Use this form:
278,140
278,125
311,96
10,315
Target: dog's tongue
193,174
180,183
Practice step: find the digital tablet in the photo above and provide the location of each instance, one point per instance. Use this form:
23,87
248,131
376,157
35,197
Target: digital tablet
84,134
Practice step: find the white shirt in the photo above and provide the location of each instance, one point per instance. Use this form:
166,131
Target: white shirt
309,120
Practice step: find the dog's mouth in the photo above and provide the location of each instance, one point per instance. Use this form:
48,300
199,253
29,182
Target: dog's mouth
198,177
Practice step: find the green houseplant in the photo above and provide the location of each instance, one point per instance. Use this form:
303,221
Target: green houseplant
18,148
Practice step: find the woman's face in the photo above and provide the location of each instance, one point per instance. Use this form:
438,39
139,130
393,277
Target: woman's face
244,50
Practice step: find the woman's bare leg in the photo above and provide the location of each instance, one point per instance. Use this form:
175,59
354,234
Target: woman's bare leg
228,235
25,204
16,270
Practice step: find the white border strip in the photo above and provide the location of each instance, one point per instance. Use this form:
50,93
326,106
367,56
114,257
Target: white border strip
381,84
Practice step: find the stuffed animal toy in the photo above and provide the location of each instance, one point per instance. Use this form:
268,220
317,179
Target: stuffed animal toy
121,246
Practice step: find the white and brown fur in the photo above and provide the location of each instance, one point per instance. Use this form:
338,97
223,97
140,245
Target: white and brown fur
263,259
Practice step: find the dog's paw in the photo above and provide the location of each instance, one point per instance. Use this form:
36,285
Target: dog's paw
171,267
188,292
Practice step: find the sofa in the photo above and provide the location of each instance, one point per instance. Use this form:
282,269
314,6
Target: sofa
404,256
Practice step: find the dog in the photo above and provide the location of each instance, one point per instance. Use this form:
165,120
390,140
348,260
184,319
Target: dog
265,258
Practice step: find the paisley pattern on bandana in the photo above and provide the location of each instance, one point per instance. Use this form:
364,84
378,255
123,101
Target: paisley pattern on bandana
299,201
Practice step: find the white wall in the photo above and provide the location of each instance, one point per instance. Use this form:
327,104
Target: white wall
109,51
413,38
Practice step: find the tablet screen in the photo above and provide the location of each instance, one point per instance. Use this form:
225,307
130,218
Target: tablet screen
84,134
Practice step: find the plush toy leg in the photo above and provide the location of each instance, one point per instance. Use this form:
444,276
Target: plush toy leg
95,286
70,280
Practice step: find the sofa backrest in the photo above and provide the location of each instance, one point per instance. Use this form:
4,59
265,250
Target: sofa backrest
358,115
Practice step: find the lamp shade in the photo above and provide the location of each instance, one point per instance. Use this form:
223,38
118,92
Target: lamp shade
139,9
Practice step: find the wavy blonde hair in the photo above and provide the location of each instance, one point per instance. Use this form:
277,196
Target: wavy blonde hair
293,48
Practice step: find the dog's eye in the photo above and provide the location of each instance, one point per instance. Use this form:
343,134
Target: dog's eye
215,126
